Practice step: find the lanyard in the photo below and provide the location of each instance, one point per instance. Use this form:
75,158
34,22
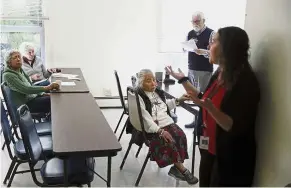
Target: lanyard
214,90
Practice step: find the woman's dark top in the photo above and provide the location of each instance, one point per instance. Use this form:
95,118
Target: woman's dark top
236,149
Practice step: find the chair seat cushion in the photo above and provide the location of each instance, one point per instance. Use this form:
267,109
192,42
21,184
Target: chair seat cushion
52,172
174,117
46,142
43,128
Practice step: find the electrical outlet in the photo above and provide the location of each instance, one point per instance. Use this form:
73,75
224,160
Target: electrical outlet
107,92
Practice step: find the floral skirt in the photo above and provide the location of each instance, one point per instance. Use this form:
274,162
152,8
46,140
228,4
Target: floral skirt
169,153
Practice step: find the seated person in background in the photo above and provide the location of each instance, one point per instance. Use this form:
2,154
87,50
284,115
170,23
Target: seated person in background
33,66
168,142
23,92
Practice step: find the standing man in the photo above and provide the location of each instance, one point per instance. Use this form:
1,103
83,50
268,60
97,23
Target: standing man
200,70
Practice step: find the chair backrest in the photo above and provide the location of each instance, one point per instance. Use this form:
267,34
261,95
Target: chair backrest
7,92
29,135
5,125
134,110
120,91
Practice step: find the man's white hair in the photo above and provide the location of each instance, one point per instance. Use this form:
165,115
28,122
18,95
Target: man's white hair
199,15
25,47
141,76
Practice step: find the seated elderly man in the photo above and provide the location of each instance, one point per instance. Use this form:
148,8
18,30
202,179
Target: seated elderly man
23,92
168,142
33,66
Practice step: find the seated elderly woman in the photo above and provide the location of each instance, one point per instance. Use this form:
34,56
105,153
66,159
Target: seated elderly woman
23,92
33,66
168,142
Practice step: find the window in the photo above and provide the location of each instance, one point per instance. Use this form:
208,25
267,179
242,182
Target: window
174,23
21,21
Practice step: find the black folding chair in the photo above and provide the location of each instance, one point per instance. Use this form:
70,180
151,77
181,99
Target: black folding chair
20,156
124,105
79,170
43,128
135,116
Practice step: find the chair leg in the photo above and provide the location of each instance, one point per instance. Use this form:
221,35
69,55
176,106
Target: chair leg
123,129
16,133
119,122
126,154
89,184
193,151
13,174
142,169
3,146
9,170
136,155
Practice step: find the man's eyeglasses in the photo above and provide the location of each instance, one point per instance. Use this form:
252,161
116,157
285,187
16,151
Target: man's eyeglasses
196,22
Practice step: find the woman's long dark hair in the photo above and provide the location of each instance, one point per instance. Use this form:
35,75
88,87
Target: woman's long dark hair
234,53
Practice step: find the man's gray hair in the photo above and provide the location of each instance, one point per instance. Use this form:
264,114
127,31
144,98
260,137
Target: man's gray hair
141,76
8,56
198,14
25,47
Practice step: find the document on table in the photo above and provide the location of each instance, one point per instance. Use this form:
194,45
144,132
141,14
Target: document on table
61,75
189,45
68,84
68,76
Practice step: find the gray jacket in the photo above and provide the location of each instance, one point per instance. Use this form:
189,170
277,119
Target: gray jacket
36,68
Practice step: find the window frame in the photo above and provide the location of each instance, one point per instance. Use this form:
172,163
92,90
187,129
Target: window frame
28,29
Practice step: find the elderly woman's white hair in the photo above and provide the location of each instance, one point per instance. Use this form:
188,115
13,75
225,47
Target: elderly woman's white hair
141,76
199,15
8,56
25,47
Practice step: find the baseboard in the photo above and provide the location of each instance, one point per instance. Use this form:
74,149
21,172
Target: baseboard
112,97
112,102
110,107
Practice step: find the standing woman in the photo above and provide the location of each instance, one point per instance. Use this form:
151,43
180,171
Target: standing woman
226,123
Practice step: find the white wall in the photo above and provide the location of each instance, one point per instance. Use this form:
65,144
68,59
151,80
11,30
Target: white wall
268,25
100,36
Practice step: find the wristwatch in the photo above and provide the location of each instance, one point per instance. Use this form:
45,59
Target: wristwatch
177,101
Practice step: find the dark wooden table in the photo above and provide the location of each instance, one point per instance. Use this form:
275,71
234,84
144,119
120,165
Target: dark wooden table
80,129
80,87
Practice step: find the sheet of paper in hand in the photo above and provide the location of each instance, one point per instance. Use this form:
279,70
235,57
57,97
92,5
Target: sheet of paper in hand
189,45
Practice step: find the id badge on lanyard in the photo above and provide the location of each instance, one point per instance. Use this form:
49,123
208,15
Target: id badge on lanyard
204,142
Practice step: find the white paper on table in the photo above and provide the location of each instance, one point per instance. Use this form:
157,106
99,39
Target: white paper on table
68,84
61,75
74,78
189,45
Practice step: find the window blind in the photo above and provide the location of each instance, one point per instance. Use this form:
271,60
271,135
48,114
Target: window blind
22,9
